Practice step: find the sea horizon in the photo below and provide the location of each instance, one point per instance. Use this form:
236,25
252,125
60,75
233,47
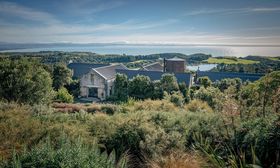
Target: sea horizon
146,49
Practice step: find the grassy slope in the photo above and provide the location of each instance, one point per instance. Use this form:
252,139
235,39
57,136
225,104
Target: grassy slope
230,61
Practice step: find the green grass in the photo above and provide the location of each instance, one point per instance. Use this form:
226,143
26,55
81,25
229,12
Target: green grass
274,58
230,61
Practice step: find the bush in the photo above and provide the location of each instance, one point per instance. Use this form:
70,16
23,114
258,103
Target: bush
109,109
177,98
198,106
262,134
63,96
63,154
18,128
213,96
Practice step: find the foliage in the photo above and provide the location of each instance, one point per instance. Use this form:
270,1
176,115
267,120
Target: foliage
120,88
260,94
61,76
63,96
64,154
140,87
226,83
74,88
21,82
178,160
264,135
177,98
204,81
169,83
185,91
198,106
213,96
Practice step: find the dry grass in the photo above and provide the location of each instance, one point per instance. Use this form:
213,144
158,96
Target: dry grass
72,108
178,160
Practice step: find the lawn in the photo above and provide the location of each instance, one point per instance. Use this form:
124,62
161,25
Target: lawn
230,61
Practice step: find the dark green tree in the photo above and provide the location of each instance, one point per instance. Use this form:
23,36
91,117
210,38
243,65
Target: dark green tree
204,81
61,76
140,87
121,88
169,83
25,81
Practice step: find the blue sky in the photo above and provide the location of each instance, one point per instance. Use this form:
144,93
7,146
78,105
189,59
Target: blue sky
227,22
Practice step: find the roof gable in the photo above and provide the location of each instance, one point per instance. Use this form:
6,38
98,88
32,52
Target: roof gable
153,67
109,72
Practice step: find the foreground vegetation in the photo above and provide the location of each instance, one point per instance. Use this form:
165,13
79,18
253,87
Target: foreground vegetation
228,123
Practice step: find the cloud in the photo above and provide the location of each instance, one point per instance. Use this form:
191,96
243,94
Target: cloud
26,33
232,11
14,9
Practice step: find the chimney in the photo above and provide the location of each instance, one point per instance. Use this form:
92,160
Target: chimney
164,65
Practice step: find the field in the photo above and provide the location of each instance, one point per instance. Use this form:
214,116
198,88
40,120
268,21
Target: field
225,60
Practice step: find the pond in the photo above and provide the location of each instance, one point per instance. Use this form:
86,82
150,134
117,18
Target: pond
202,67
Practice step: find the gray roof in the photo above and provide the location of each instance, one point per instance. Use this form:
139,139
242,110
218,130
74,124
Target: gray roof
153,67
80,69
175,59
156,75
214,76
109,72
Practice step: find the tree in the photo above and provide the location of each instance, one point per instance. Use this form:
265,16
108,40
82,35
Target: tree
140,87
61,76
259,97
204,81
121,88
20,81
169,83
157,92
74,88
267,87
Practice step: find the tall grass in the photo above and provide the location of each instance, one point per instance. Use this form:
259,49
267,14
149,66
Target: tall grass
64,154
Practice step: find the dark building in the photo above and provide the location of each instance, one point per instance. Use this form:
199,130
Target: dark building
79,69
153,67
214,76
174,65
156,75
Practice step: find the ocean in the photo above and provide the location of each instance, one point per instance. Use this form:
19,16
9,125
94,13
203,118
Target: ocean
239,51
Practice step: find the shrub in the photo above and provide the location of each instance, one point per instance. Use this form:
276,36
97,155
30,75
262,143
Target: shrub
209,126
109,109
264,135
204,81
64,154
177,98
18,128
198,106
213,96
63,96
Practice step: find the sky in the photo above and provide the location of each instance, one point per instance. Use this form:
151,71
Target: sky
218,22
